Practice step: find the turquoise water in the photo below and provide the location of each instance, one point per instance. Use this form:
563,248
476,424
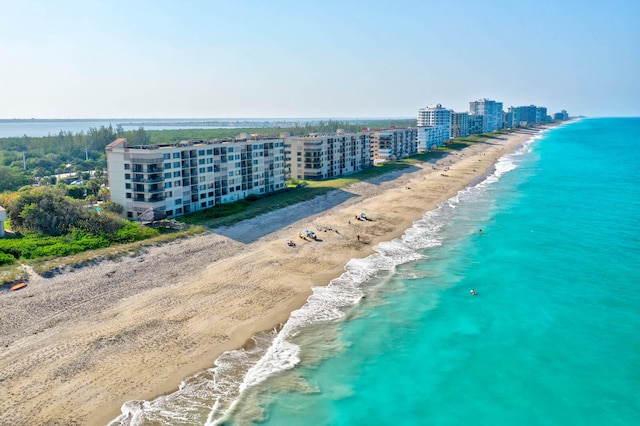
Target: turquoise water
553,336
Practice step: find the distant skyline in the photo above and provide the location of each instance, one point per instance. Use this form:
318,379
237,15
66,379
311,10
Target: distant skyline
220,59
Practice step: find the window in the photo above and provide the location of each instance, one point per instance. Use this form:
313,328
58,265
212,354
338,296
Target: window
130,215
176,155
230,149
178,201
167,184
177,183
209,152
201,152
176,174
127,176
128,195
176,165
127,166
167,175
167,166
127,185
166,156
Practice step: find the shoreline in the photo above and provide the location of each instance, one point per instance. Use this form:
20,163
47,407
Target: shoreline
156,318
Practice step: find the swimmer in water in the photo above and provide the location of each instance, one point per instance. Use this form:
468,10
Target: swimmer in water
473,292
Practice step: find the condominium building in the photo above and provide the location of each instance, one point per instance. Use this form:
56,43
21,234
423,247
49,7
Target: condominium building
525,116
431,137
475,123
491,112
317,157
391,144
434,115
562,115
459,124
192,175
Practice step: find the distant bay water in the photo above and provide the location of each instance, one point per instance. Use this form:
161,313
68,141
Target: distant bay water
44,127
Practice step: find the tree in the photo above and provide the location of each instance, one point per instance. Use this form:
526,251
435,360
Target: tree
45,210
110,206
12,178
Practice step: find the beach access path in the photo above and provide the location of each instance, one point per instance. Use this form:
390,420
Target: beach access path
75,347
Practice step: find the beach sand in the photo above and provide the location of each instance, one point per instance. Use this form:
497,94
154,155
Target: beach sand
75,347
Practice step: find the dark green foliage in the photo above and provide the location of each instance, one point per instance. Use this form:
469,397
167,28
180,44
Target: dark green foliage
110,206
76,191
6,259
103,223
252,197
45,210
12,178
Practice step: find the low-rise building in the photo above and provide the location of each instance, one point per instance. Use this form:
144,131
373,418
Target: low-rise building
431,137
192,175
317,157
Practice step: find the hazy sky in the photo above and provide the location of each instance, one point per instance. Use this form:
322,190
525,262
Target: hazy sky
281,58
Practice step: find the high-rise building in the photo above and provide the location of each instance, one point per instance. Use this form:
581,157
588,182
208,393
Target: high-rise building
475,123
459,124
192,175
317,157
434,115
491,112
562,115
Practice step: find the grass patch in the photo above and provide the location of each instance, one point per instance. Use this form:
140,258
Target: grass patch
49,265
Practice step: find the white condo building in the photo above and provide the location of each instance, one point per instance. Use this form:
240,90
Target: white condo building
391,144
317,157
491,112
434,115
192,175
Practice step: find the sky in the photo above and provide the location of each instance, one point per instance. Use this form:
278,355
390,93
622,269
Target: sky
312,59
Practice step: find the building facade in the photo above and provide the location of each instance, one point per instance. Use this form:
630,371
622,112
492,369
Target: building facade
317,157
192,175
459,124
475,123
434,115
431,137
391,144
562,115
491,112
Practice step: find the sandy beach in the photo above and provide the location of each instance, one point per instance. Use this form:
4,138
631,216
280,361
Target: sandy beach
75,347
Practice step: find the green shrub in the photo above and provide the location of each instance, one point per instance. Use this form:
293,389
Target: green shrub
6,259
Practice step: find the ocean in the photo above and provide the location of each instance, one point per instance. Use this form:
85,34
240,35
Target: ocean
551,338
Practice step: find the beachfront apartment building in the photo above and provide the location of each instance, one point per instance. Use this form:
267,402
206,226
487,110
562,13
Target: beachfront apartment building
474,124
459,124
192,175
391,144
562,115
491,112
434,115
431,137
317,156
525,116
